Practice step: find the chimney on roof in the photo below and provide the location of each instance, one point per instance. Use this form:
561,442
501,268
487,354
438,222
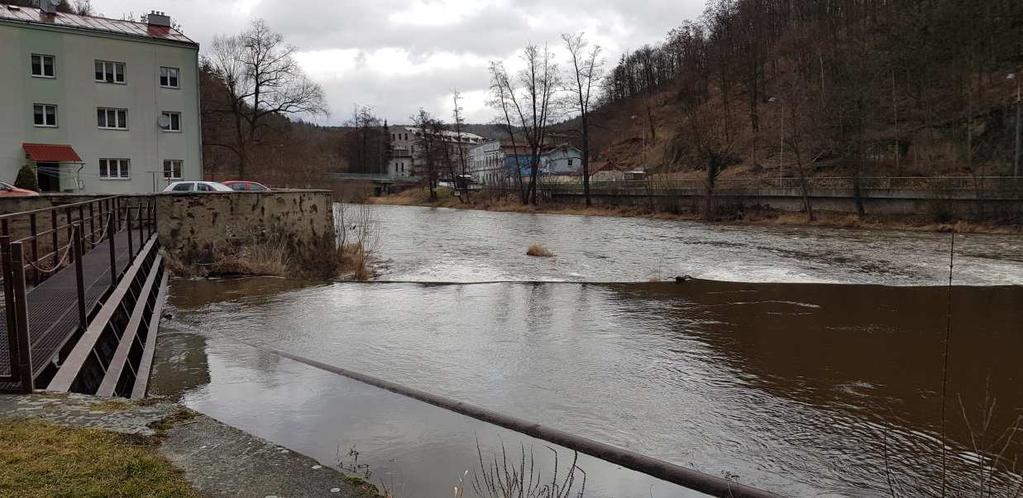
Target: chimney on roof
158,19
48,6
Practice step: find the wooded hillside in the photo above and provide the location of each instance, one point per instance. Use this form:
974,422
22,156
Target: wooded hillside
914,87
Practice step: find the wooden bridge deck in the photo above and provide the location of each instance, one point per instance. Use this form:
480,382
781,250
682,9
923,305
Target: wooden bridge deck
53,305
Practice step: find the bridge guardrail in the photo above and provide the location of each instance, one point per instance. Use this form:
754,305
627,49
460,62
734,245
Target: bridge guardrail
37,244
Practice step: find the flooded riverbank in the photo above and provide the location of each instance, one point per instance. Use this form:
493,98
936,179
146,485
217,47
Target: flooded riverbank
799,388
454,245
796,388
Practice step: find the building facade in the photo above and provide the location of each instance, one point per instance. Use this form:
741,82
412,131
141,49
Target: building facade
407,156
487,163
496,164
561,160
97,105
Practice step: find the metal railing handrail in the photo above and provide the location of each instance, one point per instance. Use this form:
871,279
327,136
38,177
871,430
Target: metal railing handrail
20,261
57,207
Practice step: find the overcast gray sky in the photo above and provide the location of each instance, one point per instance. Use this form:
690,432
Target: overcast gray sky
399,55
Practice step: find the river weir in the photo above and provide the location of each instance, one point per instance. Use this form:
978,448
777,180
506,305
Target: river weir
800,361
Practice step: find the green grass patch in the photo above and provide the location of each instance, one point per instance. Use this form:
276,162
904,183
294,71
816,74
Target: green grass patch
165,424
109,406
39,459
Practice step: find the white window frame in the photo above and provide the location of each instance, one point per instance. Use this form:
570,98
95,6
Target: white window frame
171,163
120,118
123,169
42,66
170,118
165,72
111,70
44,107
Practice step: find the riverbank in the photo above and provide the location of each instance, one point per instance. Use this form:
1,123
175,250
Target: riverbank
756,217
69,443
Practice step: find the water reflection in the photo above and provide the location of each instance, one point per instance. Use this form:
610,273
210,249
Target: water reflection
800,389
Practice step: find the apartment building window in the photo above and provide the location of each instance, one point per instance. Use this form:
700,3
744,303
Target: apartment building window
170,121
112,119
114,169
42,66
44,115
110,72
169,77
172,169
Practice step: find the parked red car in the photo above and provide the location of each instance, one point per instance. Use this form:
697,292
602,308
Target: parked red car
6,189
246,186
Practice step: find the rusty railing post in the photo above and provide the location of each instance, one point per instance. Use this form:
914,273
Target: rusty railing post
111,243
80,277
34,230
92,225
12,325
131,243
142,221
54,238
24,346
81,217
114,207
68,218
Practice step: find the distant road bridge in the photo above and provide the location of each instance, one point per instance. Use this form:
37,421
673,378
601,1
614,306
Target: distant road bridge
382,184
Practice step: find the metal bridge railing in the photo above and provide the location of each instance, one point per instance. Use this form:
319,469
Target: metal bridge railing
39,244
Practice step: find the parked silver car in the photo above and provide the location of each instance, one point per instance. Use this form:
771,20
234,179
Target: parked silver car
197,186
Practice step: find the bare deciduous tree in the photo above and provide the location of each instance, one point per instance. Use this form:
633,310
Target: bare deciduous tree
429,140
460,148
367,145
531,100
587,69
262,79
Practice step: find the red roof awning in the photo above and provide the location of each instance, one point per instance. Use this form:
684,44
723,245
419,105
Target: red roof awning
51,153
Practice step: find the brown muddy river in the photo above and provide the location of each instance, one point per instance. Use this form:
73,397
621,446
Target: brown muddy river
800,388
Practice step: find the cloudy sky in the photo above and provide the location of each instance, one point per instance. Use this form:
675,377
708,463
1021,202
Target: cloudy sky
399,55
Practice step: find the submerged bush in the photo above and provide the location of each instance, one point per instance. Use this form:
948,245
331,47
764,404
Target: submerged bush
538,251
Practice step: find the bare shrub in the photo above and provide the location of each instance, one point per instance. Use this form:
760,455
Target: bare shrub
268,257
504,478
267,253
357,231
539,251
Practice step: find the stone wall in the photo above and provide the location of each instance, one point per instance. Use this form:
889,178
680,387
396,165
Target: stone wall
207,230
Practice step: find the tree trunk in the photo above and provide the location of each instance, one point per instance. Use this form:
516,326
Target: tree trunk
240,146
858,195
586,160
708,203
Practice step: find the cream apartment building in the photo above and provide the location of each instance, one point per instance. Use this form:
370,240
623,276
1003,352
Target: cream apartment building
97,105
406,161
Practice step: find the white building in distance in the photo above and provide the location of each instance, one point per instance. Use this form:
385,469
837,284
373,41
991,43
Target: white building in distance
494,164
407,161
487,163
97,105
